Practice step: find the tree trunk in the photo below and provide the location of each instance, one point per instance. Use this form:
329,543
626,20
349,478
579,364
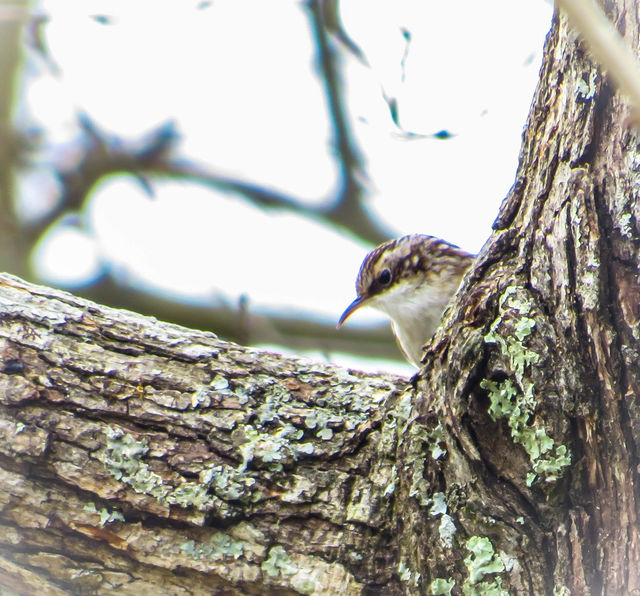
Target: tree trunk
534,375
143,457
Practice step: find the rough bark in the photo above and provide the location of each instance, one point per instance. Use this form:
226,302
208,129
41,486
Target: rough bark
534,375
139,456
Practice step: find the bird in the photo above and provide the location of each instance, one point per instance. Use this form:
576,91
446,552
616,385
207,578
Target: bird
410,279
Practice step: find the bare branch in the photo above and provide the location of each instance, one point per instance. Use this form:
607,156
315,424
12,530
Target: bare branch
607,46
13,247
140,457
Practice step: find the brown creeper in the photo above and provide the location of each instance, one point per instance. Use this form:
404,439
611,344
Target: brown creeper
411,280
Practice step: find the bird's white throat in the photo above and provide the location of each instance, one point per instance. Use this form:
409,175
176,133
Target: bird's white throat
415,307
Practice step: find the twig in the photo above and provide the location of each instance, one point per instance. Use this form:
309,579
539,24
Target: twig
607,46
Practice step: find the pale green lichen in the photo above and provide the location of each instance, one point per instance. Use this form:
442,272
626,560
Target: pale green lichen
219,383
436,438
190,494
447,527
407,575
124,453
301,576
421,436
227,482
439,504
306,587
447,530
219,387
325,434
402,412
481,562
123,458
218,547
624,225
106,516
441,586
561,590
275,441
319,419
274,396
586,90
400,418
273,448
391,486
514,399
278,563
487,588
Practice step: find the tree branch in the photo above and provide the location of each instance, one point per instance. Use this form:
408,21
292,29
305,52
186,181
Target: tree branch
154,156
13,247
135,453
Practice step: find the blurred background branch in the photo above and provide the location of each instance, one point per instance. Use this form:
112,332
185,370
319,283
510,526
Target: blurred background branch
14,248
156,156
51,178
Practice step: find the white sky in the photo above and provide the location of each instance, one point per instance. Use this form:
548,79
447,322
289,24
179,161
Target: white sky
238,79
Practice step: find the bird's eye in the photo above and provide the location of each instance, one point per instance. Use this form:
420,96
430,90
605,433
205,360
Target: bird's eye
385,277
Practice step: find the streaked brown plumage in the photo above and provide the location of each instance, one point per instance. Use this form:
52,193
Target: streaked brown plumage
411,279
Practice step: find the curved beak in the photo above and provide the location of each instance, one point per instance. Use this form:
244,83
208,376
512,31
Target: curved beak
355,305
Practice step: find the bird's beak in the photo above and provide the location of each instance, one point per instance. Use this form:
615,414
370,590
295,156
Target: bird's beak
355,305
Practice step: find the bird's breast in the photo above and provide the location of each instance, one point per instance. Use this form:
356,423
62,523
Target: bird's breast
415,311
